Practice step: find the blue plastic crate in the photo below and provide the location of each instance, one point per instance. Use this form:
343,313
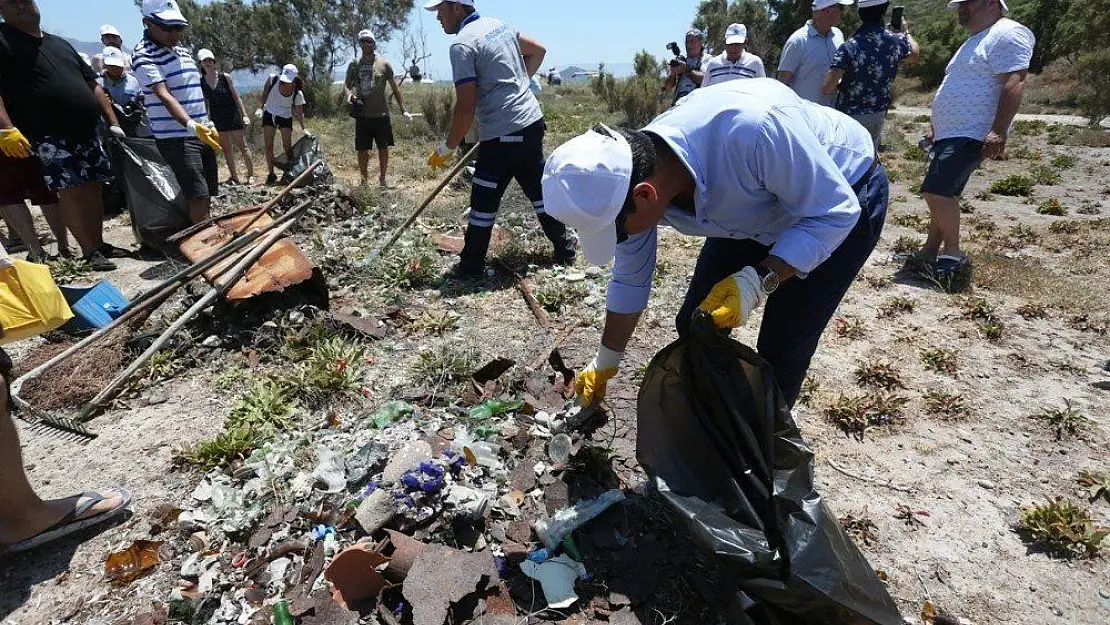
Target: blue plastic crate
93,306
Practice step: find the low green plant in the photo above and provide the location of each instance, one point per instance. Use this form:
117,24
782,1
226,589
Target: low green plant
1089,207
1030,127
1013,186
436,322
879,282
69,270
406,267
850,328
1052,207
904,246
1097,483
880,375
229,379
1047,176
446,365
984,195
1022,235
266,409
1065,227
1066,421
947,406
1059,134
914,153
922,119
164,365
978,309
1063,528
856,414
1064,161
554,295
897,305
913,221
810,389
992,329
941,360
332,366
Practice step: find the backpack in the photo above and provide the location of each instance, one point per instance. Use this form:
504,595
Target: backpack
298,87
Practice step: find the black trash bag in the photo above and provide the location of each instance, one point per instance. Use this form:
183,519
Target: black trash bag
158,208
719,443
304,153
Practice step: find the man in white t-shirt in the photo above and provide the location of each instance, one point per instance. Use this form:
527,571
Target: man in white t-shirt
734,63
972,113
282,100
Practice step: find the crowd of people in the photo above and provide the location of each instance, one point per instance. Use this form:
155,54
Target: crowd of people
781,177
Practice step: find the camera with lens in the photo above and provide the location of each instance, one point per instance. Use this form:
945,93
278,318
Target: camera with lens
679,59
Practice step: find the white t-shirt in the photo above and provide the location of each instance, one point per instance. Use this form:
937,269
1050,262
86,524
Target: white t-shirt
720,69
280,105
967,101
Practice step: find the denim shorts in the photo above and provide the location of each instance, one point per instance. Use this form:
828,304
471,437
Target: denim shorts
71,163
951,162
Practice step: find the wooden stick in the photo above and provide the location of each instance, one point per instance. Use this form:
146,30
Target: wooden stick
869,480
152,299
522,285
237,272
412,218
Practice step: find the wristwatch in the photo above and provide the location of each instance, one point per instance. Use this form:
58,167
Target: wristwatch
768,280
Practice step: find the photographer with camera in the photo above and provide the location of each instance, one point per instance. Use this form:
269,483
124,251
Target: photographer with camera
366,81
686,74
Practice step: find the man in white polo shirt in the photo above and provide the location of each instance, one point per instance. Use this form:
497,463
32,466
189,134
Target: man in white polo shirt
493,65
788,194
808,53
735,62
972,113
175,104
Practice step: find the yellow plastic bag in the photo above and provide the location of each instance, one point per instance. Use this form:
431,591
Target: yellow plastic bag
30,302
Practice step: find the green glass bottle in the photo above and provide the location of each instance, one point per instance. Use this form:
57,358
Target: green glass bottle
281,614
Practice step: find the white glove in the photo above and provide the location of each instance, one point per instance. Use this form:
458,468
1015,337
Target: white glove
407,115
117,132
246,120
306,132
443,151
258,113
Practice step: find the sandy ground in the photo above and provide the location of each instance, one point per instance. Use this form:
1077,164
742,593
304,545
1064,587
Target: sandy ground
970,475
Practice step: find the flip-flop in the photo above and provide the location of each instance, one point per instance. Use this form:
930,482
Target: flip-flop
70,523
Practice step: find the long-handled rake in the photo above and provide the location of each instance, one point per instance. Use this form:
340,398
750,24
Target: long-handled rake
144,305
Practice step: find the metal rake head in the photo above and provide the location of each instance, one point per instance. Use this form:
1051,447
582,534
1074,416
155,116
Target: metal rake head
63,427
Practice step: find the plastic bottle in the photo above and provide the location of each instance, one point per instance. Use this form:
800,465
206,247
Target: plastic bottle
281,613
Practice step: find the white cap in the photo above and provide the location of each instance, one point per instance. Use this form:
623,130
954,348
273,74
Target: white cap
434,4
108,29
164,12
824,4
367,34
204,54
736,33
288,73
954,3
113,57
585,183
867,4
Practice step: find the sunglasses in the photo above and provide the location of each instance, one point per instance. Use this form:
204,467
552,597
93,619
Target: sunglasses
177,28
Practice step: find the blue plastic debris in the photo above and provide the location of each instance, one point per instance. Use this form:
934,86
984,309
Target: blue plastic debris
93,306
540,556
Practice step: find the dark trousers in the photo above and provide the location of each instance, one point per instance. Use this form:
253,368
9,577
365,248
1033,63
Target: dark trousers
517,156
799,311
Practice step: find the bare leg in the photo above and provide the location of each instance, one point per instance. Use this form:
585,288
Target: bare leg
199,209
19,219
229,156
24,514
363,165
268,141
83,210
240,143
287,140
945,228
54,219
383,163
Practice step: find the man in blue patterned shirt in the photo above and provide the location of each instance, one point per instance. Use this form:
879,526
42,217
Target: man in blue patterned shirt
865,66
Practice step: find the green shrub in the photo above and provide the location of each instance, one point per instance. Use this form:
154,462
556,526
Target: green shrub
1052,207
1046,175
1064,161
638,97
438,105
1015,185
1030,127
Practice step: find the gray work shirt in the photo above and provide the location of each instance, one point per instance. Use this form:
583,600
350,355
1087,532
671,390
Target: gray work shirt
487,52
808,55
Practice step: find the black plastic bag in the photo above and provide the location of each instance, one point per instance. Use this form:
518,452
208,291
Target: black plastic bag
304,153
158,208
719,443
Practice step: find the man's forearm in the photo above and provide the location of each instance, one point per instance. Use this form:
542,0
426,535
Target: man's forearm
1009,103
618,330
696,76
533,63
106,108
461,121
5,121
174,107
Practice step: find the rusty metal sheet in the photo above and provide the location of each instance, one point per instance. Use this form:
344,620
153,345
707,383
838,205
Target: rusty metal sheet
282,266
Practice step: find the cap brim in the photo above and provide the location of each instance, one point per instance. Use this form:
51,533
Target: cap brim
113,63
433,5
599,248
170,18
735,39
285,80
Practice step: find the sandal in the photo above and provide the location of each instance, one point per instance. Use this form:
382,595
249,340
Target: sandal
71,524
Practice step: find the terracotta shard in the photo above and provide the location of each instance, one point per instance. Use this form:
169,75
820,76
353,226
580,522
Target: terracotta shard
405,551
282,266
354,575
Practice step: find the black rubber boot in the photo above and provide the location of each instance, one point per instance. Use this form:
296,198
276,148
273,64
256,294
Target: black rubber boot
557,233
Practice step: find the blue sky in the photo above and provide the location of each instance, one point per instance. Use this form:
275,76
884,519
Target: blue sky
574,31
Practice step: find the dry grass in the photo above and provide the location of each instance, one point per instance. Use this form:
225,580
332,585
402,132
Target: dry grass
1039,283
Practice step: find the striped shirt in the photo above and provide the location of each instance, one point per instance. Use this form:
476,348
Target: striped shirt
153,64
720,69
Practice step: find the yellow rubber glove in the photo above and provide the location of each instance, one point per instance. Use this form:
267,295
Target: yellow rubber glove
733,299
591,383
207,135
13,144
441,157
